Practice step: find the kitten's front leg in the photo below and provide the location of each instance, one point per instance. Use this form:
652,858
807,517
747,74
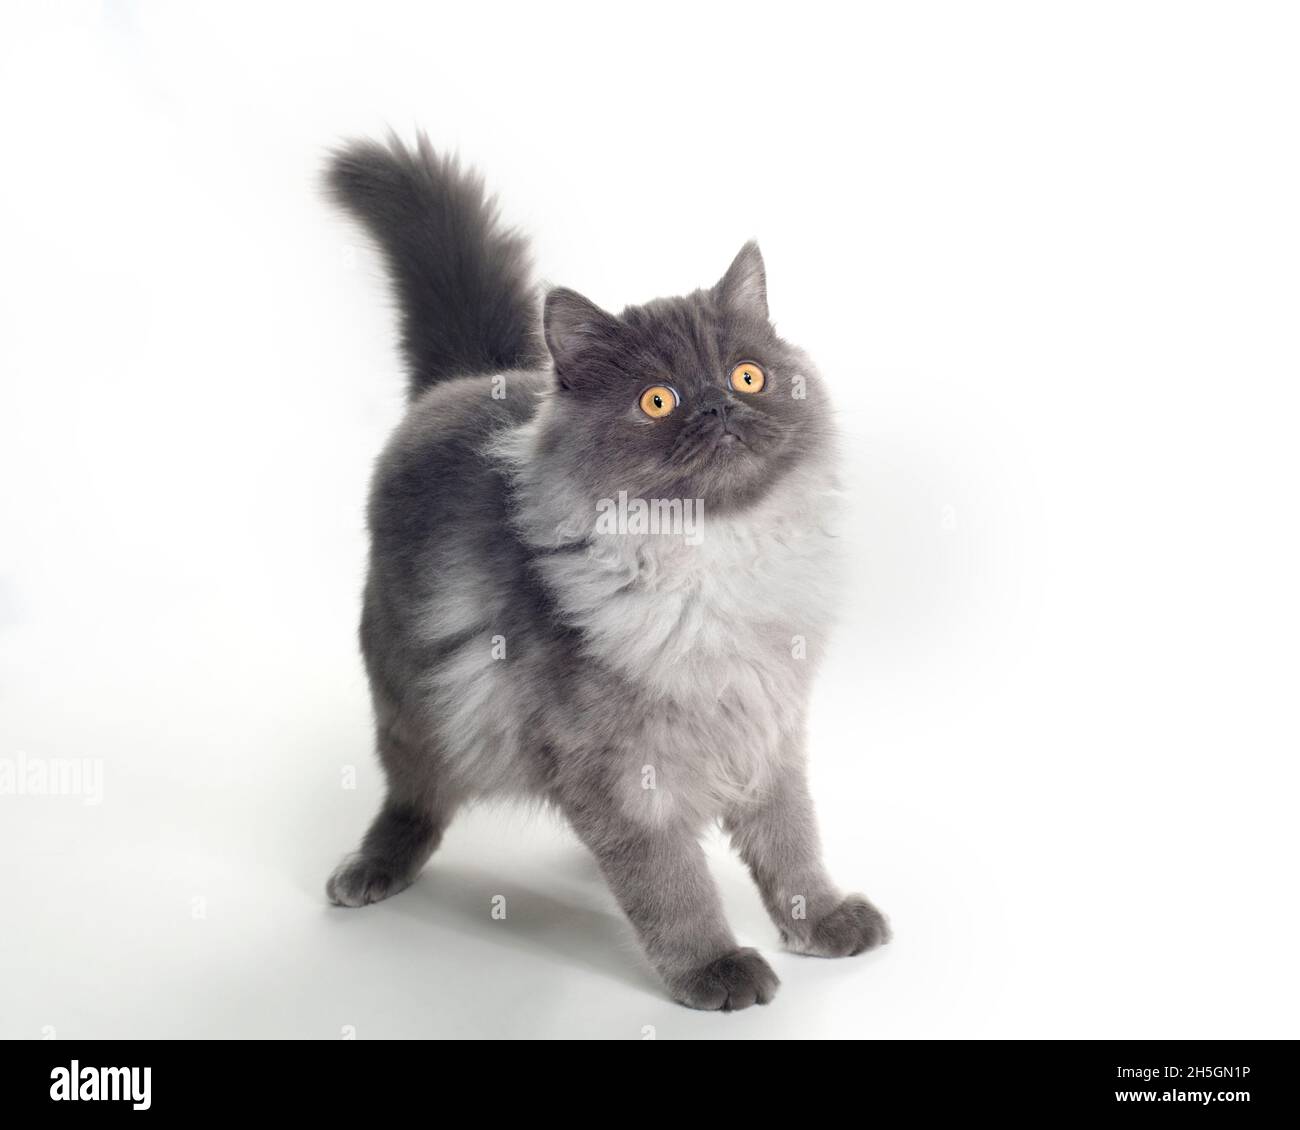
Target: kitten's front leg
777,838
661,880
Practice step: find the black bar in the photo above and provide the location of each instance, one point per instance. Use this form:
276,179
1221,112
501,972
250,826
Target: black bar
1245,1079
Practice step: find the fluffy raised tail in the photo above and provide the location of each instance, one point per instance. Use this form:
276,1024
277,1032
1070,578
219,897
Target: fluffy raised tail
467,302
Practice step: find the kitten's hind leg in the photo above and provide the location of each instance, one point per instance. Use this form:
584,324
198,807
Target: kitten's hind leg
408,827
399,843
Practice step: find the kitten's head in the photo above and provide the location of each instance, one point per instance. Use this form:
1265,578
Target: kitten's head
692,397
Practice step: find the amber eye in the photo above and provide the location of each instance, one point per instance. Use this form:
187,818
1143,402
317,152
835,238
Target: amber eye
747,377
657,401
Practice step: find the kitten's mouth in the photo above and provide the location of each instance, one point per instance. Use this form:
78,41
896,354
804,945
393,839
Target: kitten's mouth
730,460
707,437
716,448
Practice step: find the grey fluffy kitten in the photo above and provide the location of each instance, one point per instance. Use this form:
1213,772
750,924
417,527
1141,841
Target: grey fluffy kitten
647,684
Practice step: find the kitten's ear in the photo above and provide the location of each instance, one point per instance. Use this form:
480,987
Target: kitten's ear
744,287
572,325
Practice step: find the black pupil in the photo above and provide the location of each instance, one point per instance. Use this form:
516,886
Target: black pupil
659,401
748,378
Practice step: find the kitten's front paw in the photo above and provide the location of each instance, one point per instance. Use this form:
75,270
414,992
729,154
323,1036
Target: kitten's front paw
735,980
358,881
851,928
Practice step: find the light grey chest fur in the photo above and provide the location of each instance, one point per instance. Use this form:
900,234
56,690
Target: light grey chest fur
710,640
719,636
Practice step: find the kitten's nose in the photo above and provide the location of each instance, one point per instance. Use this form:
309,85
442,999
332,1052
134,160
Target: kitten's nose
717,407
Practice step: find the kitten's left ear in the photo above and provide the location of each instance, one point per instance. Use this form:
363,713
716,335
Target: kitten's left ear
744,286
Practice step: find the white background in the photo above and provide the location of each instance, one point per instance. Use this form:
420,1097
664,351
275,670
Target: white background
1046,255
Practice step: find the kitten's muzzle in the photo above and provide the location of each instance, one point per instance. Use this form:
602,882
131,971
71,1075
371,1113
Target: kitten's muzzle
722,409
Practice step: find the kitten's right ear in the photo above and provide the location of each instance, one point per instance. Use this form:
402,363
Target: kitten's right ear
572,326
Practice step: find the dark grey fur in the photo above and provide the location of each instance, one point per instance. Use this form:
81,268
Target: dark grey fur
461,281
643,685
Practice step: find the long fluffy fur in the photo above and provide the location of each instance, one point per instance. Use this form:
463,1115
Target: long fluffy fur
461,280
644,685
